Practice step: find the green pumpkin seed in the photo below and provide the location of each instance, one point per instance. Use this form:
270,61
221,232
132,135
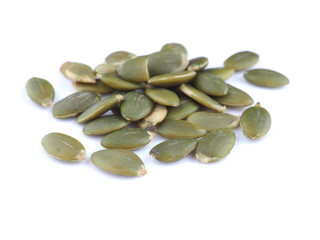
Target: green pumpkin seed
116,82
266,78
78,72
163,96
242,60
63,147
215,145
186,107
235,98
102,69
116,108
211,121
201,98
119,161
127,138
210,84
223,72
105,125
98,87
255,122
173,149
136,106
176,47
40,91
198,64
173,79
74,104
135,70
179,129
157,115
116,59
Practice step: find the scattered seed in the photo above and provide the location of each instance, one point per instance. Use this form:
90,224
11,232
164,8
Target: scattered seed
242,60
266,78
163,96
40,91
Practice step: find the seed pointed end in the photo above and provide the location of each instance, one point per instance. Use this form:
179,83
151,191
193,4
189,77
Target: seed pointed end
142,171
81,156
205,159
46,103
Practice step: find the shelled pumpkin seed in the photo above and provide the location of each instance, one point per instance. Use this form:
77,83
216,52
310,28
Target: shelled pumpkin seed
210,84
172,79
116,82
241,60
157,115
235,97
186,107
198,64
98,87
105,125
163,96
78,72
135,70
222,72
40,91
265,78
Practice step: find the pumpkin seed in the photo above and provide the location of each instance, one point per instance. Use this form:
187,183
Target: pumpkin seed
255,122
119,161
176,47
63,147
210,84
215,145
173,79
74,104
186,107
198,64
105,125
78,72
136,106
116,82
179,129
201,98
242,60
135,70
157,115
173,149
223,72
127,138
98,87
235,98
40,91
163,96
266,78
116,59
102,69
99,108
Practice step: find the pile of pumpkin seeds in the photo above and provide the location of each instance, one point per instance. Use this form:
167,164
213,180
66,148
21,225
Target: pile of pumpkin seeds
161,93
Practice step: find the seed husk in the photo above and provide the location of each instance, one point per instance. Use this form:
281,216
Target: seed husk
163,96
198,64
116,59
173,149
211,121
63,147
186,107
265,78
127,138
235,98
105,125
116,82
98,87
255,122
176,47
78,72
210,84
135,70
119,161
99,108
222,72
157,115
241,60
136,106
173,79
75,104
40,91
179,129
201,98
215,145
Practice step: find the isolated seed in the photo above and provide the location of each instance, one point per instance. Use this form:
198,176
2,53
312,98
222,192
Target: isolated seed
176,47
78,72
163,96
266,78
105,125
98,87
157,115
135,70
116,59
255,122
74,104
63,147
235,98
173,149
127,138
198,64
222,72
119,161
173,79
186,107
215,145
40,91
242,60
210,84
116,82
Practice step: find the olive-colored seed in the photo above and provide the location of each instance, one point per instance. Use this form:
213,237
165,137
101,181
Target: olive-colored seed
210,84
98,87
116,82
176,47
78,72
241,60
40,91
104,68
198,64
135,70
235,98
157,115
222,72
105,125
186,107
265,78
172,79
116,59
163,96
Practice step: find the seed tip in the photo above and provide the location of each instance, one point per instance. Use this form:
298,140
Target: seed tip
81,156
204,158
142,171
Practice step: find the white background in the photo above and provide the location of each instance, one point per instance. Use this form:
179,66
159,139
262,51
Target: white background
265,189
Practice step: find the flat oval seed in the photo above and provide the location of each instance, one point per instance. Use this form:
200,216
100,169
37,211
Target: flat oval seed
104,68
210,84
163,96
136,106
157,115
186,107
116,59
255,122
40,91
173,149
119,161
135,70
235,98
176,47
215,145
98,87
198,64
266,78
74,104
201,98
78,72
179,129
63,147
241,60
211,121
173,79
105,125
99,108
223,72
127,138
116,82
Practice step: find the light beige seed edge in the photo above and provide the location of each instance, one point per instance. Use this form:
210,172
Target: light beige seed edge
142,171
205,159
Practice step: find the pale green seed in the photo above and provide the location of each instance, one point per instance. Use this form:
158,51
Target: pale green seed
223,72
105,125
157,115
163,96
241,60
116,82
186,107
255,122
173,79
173,149
235,98
98,87
40,91
119,161
198,64
135,70
179,129
266,78
215,145
63,147
210,84
127,138
116,59
104,68
74,104
78,72
176,47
